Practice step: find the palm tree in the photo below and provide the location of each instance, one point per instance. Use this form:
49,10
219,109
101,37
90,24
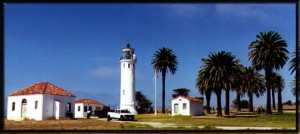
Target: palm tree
278,83
252,83
268,52
219,72
238,89
204,89
292,68
164,60
274,84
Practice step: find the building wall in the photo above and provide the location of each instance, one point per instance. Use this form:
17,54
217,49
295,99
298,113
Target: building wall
180,101
82,113
196,108
48,105
32,113
79,114
192,108
127,90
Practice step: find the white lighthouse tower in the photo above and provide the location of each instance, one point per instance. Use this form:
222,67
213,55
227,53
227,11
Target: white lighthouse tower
127,94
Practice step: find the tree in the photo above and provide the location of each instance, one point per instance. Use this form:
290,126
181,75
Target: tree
268,52
292,68
243,103
273,85
278,84
239,90
142,102
218,72
289,102
252,83
203,90
164,60
180,92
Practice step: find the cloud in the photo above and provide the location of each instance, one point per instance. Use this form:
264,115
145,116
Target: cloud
105,72
245,12
186,11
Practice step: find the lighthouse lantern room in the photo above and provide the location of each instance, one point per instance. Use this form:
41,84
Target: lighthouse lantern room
127,91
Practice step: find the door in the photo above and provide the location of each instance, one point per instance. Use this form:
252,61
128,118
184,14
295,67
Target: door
56,110
176,109
24,108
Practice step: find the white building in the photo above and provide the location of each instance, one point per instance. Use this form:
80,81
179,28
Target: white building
83,105
40,101
127,90
183,105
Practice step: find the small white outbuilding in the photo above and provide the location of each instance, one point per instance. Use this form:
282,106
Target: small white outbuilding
183,105
83,105
40,101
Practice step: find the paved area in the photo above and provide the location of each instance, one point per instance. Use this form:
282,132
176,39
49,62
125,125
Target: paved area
169,125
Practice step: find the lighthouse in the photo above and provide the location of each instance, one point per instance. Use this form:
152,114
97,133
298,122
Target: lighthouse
127,90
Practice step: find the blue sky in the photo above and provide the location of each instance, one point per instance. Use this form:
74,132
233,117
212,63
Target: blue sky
77,46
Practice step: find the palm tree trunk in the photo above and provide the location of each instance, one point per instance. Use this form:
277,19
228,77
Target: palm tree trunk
238,99
250,102
226,110
273,99
279,102
207,94
267,75
163,90
219,108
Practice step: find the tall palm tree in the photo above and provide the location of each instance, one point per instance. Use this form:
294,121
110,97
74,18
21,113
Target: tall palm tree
292,68
204,89
274,84
238,89
252,83
219,72
273,89
278,83
268,52
164,60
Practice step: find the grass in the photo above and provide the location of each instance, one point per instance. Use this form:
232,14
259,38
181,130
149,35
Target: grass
286,121
76,124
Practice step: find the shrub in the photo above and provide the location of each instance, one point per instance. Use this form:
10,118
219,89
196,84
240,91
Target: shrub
289,102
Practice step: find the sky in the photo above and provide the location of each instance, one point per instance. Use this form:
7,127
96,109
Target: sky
77,46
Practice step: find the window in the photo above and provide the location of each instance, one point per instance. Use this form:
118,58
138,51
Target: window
36,105
69,107
184,106
78,108
24,102
123,92
13,106
128,65
85,108
123,65
90,108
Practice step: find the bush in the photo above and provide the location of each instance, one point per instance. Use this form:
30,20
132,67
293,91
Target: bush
289,102
244,104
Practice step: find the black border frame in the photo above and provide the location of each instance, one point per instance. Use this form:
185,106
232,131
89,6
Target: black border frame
2,62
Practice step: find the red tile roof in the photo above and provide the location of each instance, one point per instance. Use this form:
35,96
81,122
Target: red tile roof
43,88
190,99
88,101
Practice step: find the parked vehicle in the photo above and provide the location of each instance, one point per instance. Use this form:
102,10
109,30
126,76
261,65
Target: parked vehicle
120,114
102,113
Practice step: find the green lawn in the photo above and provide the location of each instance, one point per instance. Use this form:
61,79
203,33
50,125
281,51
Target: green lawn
287,120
